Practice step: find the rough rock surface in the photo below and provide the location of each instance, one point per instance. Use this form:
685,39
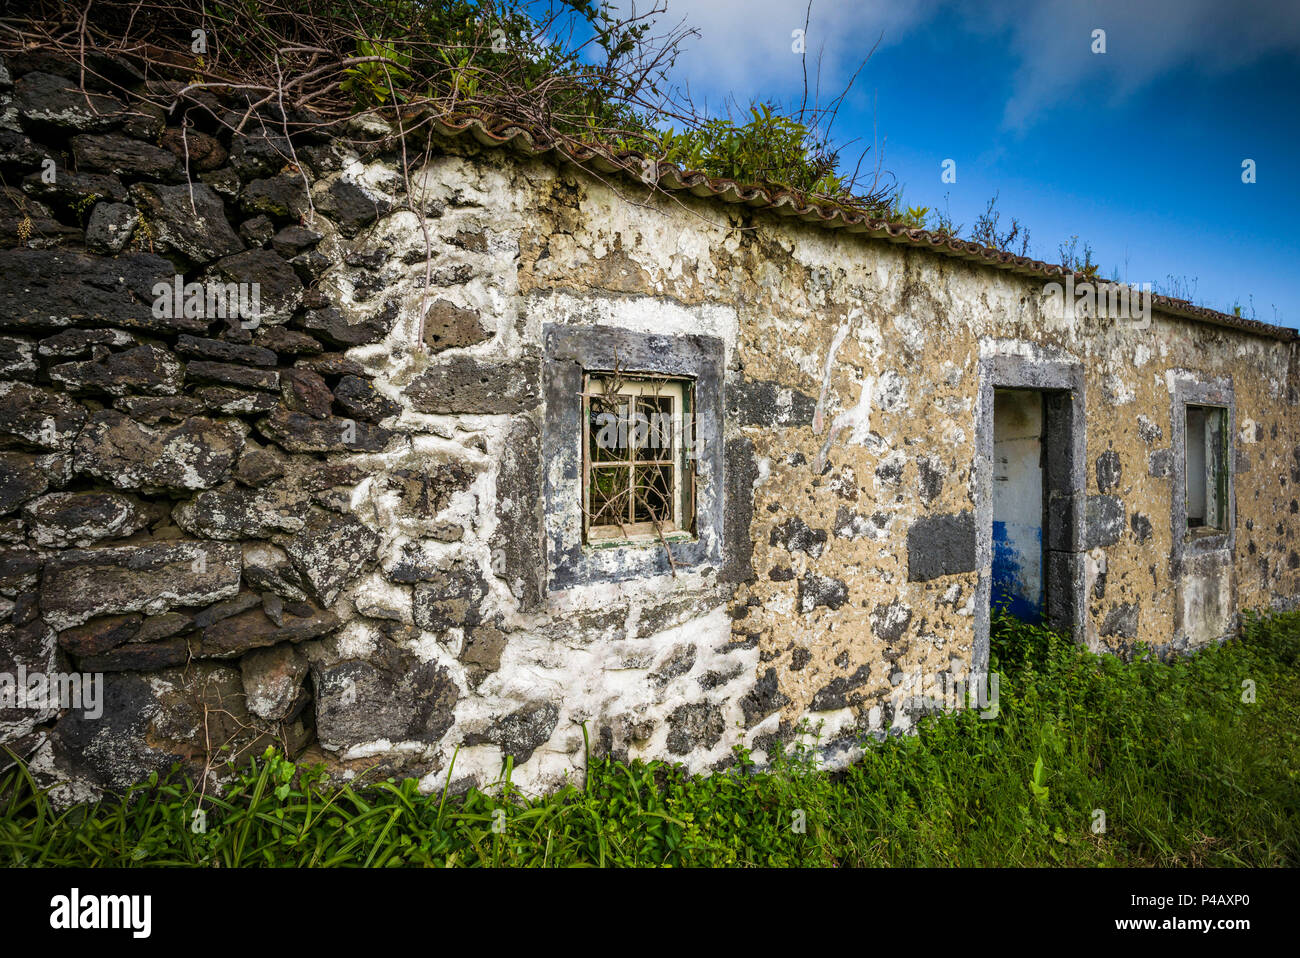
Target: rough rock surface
196,454
81,583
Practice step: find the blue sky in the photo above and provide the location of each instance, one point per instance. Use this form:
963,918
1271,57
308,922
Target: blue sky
1137,150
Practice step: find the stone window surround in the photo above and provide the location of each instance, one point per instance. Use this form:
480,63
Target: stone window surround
570,352
1065,568
1193,389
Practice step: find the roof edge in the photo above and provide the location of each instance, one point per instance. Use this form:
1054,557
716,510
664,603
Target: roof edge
671,178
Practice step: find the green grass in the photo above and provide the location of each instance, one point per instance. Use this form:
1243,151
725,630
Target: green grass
1186,772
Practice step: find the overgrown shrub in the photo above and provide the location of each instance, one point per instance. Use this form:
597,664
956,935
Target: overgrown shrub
576,71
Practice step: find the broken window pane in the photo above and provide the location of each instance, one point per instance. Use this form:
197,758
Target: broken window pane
1206,457
653,494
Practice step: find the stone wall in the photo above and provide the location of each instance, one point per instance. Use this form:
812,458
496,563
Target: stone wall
298,527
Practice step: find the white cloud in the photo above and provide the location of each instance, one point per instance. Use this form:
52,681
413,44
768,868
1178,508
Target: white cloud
1051,42
745,45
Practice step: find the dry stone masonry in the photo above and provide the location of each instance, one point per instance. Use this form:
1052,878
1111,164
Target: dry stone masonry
235,485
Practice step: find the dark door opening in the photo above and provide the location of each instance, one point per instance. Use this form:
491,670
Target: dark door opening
1033,505
1019,584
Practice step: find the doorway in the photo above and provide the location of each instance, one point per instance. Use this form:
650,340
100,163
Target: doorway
1035,511
1019,584
1050,395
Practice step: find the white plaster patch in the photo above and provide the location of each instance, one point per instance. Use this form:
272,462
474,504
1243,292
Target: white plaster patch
641,314
1118,392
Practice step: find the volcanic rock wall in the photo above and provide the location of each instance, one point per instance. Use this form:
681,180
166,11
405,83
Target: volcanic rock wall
235,488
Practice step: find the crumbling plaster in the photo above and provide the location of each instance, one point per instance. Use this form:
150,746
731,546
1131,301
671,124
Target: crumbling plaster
885,344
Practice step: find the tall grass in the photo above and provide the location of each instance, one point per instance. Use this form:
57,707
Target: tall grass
1185,770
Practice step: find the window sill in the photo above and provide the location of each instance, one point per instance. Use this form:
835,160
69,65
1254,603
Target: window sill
639,540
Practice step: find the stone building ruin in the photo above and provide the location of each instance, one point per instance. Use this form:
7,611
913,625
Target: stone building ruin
297,527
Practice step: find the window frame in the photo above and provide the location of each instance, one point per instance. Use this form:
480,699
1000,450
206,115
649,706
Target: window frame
681,390
1191,389
1220,484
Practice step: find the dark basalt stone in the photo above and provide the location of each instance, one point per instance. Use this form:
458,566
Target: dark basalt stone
78,343
941,545
254,156
763,699
292,240
144,369
230,401
330,551
817,590
834,694
299,432
280,198
33,416
794,535
696,726
123,156
466,385
71,191
111,227
233,375
273,679
306,392
349,206
330,325
199,232
17,358
54,289
257,231
20,214
358,398
79,584
285,341
393,696
80,519
196,454
222,351
18,153
238,512
233,636
524,730
1108,470
21,479
444,599
50,103
280,288
1104,521
100,635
